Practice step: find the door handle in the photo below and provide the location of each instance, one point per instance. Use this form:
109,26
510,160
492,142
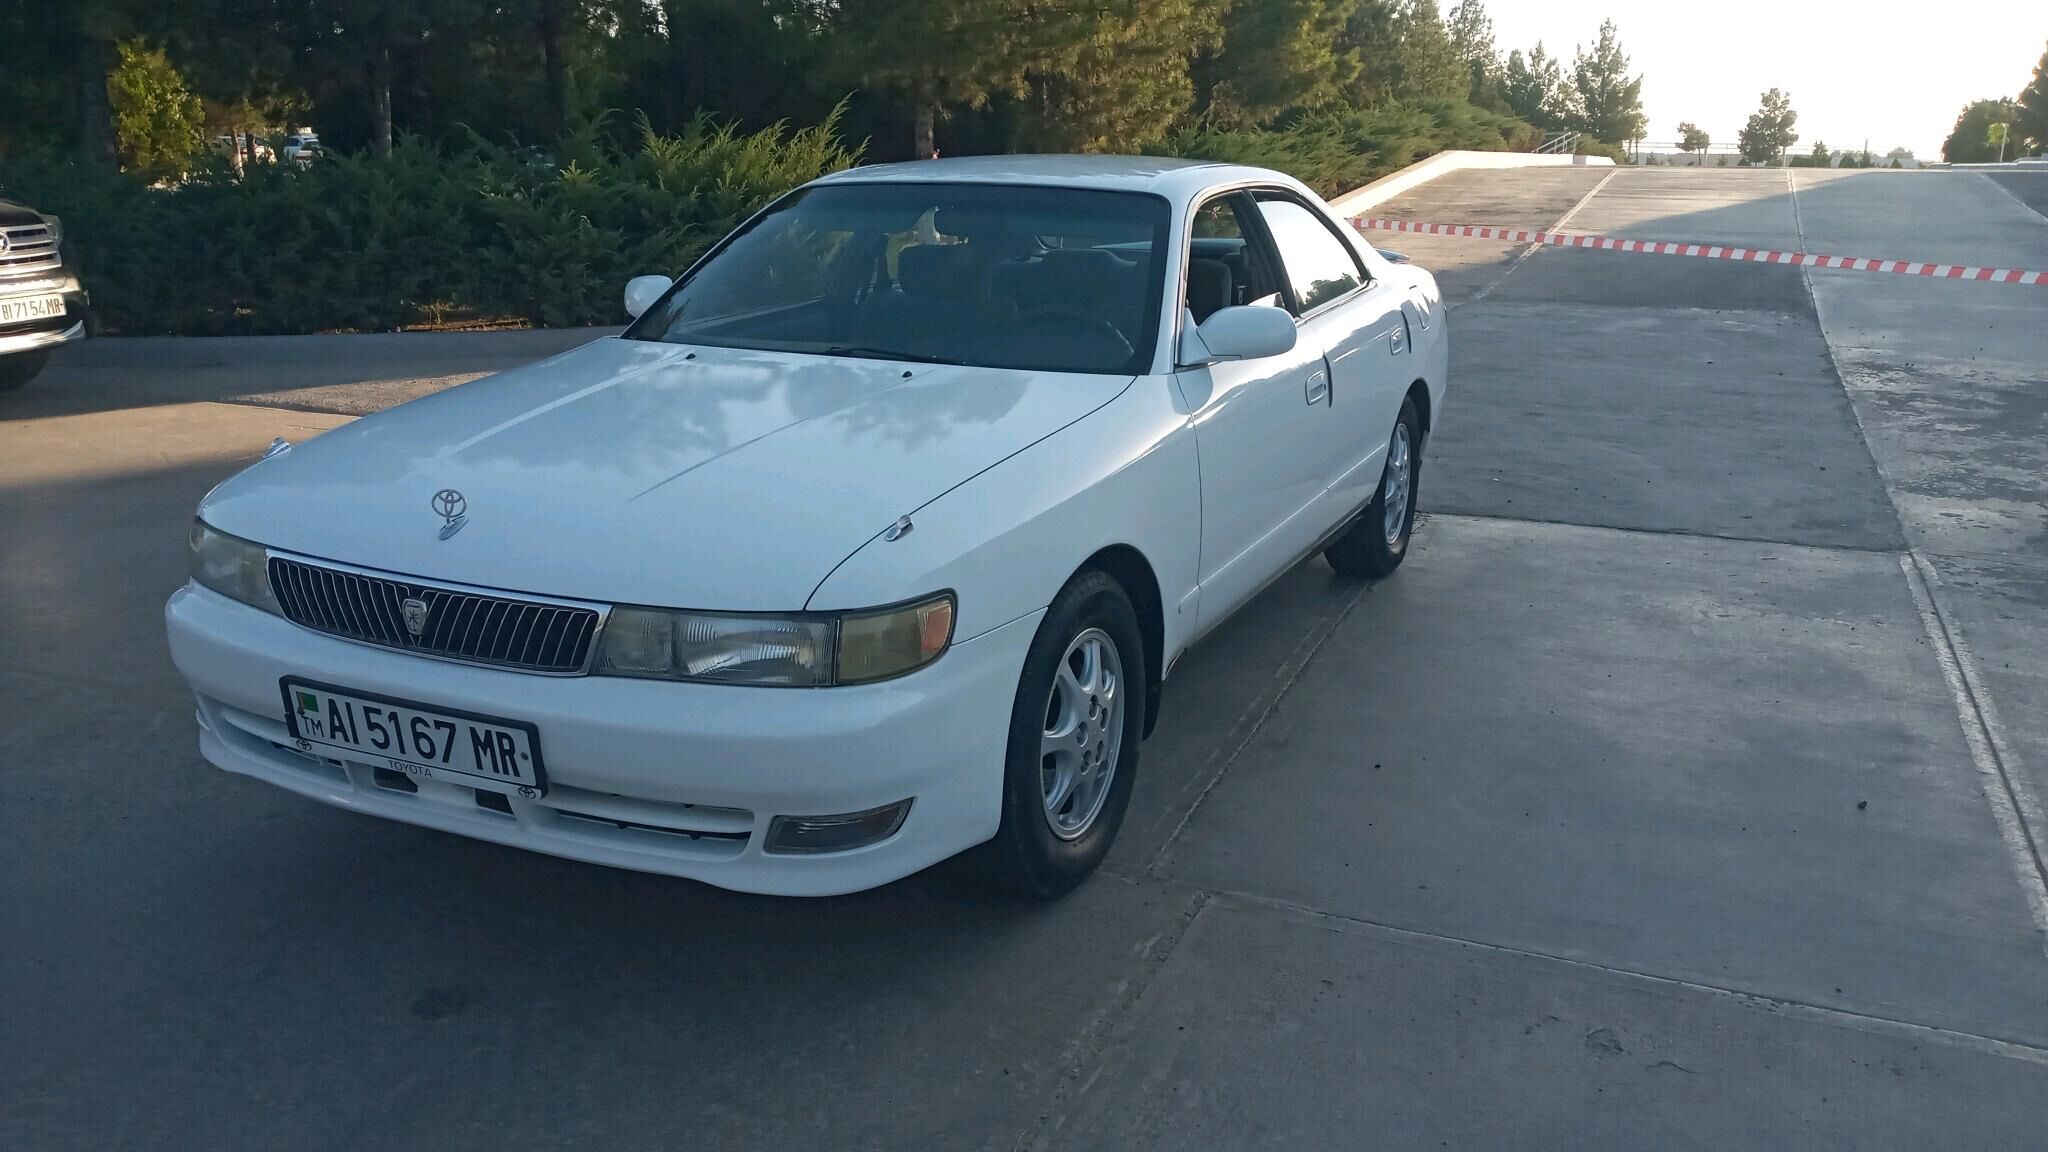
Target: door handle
1397,338
1318,389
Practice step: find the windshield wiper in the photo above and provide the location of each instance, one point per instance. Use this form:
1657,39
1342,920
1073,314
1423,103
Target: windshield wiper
887,354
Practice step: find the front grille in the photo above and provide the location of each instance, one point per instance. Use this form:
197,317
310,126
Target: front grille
29,248
459,625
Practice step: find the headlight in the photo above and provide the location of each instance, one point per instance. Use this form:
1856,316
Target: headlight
232,567
808,650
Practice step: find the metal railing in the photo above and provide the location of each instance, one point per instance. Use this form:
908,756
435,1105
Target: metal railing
1560,143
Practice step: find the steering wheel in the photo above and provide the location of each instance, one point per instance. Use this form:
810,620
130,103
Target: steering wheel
1052,315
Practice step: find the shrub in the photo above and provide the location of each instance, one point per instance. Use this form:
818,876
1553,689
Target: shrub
432,233
1591,147
1336,150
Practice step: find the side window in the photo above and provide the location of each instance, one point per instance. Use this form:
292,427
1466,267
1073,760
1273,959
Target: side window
1218,219
1320,266
1226,265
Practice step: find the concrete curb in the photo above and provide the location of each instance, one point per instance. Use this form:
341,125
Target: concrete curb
1421,172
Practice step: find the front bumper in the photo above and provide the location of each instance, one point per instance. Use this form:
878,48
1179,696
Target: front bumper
11,342
50,332
678,779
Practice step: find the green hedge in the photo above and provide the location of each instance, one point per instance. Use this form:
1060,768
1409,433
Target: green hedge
429,235
434,235
1340,149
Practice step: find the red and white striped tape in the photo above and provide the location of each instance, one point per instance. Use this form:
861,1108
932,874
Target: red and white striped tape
1709,251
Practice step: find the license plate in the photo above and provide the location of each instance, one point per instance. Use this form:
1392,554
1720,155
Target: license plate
26,308
417,739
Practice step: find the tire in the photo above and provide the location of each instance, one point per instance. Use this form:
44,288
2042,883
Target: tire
20,368
1376,542
1043,850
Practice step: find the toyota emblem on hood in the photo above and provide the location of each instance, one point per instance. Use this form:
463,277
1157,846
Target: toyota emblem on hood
453,509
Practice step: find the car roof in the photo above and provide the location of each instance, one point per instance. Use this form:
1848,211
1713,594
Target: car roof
1166,176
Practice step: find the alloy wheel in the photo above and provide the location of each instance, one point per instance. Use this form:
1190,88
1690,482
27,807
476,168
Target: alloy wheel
1083,734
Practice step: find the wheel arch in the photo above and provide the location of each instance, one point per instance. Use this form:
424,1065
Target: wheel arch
1418,395
1129,568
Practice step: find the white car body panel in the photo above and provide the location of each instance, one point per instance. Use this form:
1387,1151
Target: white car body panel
1128,475
721,479
624,440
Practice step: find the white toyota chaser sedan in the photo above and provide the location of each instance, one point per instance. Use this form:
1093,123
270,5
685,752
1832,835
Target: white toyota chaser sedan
874,538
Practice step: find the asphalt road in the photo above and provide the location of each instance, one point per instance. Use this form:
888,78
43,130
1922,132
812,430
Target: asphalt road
1682,790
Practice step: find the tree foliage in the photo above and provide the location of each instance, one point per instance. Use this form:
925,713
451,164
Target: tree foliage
157,121
1427,65
1770,129
1274,56
1610,101
516,157
1471,33
1691,139
1535,90
1338,148
1122,84
2030,120
916,75
1370,36
1971,142
935,54
427,234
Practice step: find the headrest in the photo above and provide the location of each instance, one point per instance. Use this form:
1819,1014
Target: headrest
1087,262
937,270
1209,287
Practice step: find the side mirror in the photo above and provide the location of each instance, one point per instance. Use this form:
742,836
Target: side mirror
1241,332
643,291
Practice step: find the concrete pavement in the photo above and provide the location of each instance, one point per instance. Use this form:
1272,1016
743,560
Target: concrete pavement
1674,794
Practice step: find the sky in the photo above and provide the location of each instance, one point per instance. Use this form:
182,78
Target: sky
1893,73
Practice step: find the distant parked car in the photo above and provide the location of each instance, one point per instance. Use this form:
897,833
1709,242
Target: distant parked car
233,145
872,540
42,304
301,148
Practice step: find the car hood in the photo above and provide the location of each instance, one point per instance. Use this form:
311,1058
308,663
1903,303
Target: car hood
637,472
12,214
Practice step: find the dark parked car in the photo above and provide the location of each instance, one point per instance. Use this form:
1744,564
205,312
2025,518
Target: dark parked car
41,302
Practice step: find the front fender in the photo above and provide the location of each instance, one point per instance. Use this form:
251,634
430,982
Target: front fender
1007,540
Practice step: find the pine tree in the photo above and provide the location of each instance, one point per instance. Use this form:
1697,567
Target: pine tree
938,54
1534,88
1610,100
1691,139
1118,81
1471,33
1427,65
1275,55
1370,36
1770,129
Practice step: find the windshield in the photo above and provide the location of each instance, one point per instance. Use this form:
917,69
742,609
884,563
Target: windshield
1000,276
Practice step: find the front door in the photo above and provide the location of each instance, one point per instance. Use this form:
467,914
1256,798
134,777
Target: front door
1255,421
1364,336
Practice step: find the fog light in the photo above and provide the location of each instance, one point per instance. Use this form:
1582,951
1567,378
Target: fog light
805,835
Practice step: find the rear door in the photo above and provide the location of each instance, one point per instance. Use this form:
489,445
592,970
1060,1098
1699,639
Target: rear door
1359,324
